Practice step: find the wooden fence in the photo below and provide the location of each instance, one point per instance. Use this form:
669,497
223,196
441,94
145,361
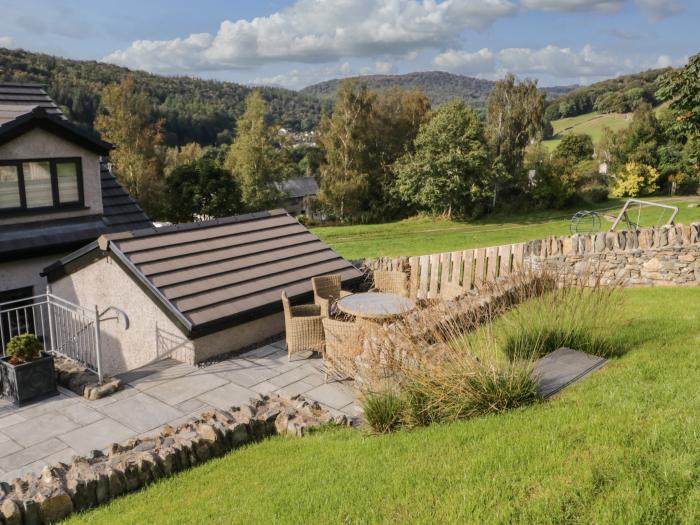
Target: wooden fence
467,269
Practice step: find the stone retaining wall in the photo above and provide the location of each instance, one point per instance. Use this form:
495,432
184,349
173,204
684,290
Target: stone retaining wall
62,489
667,255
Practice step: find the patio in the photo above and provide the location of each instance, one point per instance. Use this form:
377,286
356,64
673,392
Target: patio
167,392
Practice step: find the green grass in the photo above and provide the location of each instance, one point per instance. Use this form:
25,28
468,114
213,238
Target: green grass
622,446
425,235
590,123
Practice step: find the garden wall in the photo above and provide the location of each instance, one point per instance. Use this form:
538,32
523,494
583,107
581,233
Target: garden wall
668,255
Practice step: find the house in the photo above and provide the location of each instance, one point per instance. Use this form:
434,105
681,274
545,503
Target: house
56,190
300,194
193,291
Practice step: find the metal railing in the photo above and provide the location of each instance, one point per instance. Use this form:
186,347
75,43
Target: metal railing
62,327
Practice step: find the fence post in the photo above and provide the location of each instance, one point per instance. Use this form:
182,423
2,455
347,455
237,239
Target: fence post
98,350
50,312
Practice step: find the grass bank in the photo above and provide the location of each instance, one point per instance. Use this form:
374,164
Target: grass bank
425,235
620,447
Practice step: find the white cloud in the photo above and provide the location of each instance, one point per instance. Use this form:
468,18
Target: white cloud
605,6
658,9
380,68
561,62
315,31
7,42
550,61
465,62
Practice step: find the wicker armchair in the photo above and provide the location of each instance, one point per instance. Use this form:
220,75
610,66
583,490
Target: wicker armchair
303,327
343,344
327,291
391,282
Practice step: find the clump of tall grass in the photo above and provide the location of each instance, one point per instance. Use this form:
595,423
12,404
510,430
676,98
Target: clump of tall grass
472,357
579,315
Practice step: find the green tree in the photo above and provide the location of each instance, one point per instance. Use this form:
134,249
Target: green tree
514,118
575,147
634,180
255,158
126,119
446,172
682,89
346,140
202,190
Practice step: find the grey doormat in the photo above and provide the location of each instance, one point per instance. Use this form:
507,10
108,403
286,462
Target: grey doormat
564,367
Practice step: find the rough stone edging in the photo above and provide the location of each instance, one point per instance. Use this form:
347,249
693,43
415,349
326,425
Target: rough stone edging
86,482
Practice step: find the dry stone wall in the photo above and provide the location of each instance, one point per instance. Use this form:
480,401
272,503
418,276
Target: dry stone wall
663,256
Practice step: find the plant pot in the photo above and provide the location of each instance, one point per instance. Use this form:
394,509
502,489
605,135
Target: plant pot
28,382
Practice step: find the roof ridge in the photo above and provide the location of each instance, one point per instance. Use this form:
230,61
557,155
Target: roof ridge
212,223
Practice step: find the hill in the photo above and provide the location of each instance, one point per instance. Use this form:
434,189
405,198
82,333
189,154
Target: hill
194,110
591,124
439,86
616,95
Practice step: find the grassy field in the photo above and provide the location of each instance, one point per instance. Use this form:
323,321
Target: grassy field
590,123
620,447
432,235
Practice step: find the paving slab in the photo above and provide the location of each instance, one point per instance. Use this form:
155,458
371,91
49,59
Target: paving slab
141,412
40,428
227,396
187,387
248,377
96,436
564,367
296,388
31,454
81,414
10,420
334,395
290,377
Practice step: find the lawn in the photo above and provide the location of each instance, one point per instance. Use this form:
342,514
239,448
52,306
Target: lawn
590,123
620,447
426,235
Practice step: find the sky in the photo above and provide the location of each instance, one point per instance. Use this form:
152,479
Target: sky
295,43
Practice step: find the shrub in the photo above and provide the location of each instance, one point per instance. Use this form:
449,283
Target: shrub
634,180
383,411
24,348
593,193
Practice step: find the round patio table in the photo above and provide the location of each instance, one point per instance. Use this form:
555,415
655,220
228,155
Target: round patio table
375,305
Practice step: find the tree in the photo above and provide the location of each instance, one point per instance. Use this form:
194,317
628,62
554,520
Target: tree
182,155
202,190
514,118
345,140
446,172
396,119
575,147
638,143
255,158
634,180
682,88
126,120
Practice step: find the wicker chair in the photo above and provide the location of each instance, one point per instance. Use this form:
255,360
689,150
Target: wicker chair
343,344
303,327
327,291
391,282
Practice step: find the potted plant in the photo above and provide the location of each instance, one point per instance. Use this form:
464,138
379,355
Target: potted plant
26,371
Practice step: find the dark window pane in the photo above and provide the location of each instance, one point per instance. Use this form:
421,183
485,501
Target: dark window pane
67,173
9,187
37,184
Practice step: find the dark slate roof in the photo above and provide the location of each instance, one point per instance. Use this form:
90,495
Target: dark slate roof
121,212
299,187
18,99
211,275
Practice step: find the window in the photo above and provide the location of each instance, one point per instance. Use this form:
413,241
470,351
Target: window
9,187
40,184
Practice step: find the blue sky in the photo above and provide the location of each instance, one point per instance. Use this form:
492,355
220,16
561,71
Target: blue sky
294,43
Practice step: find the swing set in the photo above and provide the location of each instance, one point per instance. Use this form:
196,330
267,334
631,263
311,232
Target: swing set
587,221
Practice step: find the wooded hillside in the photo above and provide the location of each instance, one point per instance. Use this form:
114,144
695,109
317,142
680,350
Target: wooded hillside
194,110
439,86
